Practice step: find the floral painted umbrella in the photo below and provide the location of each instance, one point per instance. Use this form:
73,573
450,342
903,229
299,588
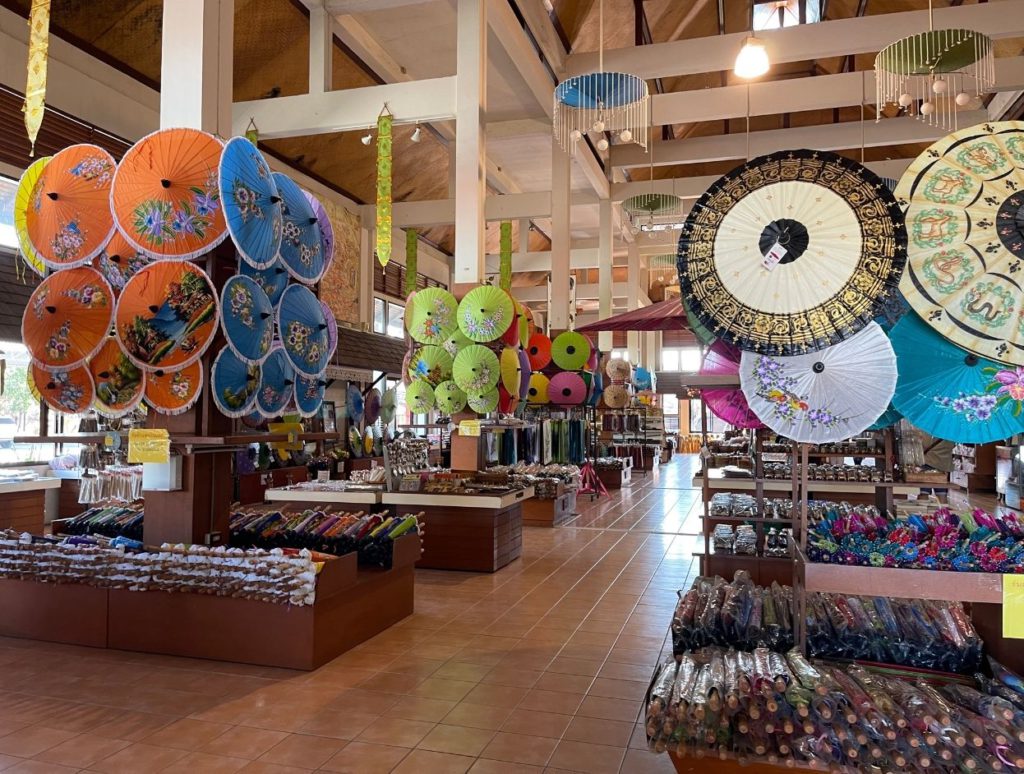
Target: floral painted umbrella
476,369
119,383
302,246
823,396
174,392
303,329
449,398
485,313
165,196
119,261
430,317
419,397
247,318
252,203
727,403
309,394
22,199
277,384
964,200
273,279
431,363
68,317
167,315
951,393
326,228
234,384
67,390
332,329
68,218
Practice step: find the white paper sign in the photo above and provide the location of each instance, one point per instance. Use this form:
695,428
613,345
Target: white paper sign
773,256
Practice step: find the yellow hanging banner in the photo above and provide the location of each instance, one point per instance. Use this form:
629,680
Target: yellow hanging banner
384,170
35,83
148,446
1013,606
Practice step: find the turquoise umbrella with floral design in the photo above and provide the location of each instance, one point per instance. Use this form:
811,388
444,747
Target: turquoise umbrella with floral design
303,330
252,203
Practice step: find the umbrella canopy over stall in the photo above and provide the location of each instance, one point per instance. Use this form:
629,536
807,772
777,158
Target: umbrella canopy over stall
728,403
965,217
119,383
823,396
666,315
302,246
67,390
174,392
247,317
67,317
791,252
252,203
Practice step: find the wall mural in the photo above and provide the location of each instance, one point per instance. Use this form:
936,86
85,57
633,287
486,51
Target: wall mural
340,285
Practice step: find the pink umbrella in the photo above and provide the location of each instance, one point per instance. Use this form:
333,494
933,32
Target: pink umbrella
727,403
567,388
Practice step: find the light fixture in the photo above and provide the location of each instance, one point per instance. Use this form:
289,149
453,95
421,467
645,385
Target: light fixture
602,144
417,134
367,138
752,60
625,136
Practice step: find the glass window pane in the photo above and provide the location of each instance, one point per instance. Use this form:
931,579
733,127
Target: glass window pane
396,320
689,359
670,360
379,324
8,187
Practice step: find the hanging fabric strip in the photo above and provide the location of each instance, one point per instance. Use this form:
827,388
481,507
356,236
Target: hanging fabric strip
411,254
505,259
35,84
384,187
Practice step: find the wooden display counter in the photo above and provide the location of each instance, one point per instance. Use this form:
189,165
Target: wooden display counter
352,605
548,512
252,487
479,533
616,478
23,504
362,500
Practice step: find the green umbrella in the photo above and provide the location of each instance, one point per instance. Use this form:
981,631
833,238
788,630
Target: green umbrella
430,316
484,403
485,313
431,363
419,397
450,398
455,342
703,334
476,369
570,350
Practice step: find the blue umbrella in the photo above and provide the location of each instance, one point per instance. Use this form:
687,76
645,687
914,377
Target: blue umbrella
309,394
277,384
354,404
302,246
303,329
273,280
951,393
234,384
252,203
247,318
888,419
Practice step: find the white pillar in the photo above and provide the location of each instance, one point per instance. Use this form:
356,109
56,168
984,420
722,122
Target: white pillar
470,147
632,298
196,63
561,243
321,49
367,261
604,272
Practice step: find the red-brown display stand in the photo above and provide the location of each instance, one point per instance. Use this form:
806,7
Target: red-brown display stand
23,504
616,478
550,512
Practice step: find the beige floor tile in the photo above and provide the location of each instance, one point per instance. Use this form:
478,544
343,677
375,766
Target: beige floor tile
614,733
187,734
486,766
447,690
590,758
40,767
496,695
551,701
416,708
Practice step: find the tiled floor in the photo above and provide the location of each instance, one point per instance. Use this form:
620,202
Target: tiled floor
539,667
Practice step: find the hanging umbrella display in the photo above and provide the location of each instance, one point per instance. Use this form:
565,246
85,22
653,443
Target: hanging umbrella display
700,331
273,279
355,442
303,329
22,199
326,228
511,370
597,390
484,403
616,396
537,392
507,402
570,350
618,370
119,262
67,390
247,318
449,398
354,404
822,396
67,317
476,369
539,350
277,384
964,200
594,358
309,395
419,397
371,406
518,331
567,388
234,384
727,403
119,383
643,379
165,197
167,315
68,218
485,313
252,203
951,393
174,392
456,342
791,252
388,405
302,247
432,364
891,415
332,330
525,372
430,317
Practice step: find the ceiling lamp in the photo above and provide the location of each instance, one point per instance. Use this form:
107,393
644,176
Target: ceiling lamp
601,102
937,70
752,60
654,211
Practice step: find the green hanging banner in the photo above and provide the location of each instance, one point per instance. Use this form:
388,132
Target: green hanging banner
410,260
384,187
505,259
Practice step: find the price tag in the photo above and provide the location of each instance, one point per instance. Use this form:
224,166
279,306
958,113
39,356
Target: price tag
149,446
775,254
469,428
323,475
1013,606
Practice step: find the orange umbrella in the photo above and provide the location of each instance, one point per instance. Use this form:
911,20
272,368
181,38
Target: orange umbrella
68,218
166,199
69,391
67,317
174,392
167,315
119,382
119,261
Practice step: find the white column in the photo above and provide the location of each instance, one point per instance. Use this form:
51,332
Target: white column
632,298
321,49
561,243
367,239
470,147
604,271
197,57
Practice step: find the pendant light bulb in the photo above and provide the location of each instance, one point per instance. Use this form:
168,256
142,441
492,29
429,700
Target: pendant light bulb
963,99
367,138
927,108
939,86
575,135
602,144
626,136
905,100
598,126
752,60
417,134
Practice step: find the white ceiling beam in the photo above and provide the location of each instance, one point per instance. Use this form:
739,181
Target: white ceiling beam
827,137
858,35
441,212
349,110
339,7
519,127
585,291
538,21
579,258
517,45
1002,103
821,92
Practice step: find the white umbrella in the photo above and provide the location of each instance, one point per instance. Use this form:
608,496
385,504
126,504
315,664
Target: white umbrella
823,396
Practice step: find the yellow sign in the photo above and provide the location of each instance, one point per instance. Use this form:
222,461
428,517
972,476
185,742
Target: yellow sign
1013,606
469,428
293,430
149,446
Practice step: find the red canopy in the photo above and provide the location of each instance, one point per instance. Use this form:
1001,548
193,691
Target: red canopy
663,316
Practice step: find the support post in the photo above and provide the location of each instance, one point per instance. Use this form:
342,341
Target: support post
470,145
605,339
321,49
632,294
367,239
558,312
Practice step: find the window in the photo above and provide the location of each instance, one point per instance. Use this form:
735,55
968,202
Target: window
715,425
8,187
775,14
396,320
670,360
380,315
685,359
619,354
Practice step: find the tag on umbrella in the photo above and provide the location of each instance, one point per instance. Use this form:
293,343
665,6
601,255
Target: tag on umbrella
773,256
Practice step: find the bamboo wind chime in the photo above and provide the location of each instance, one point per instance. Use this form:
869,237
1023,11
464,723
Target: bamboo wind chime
505,258
35,85
384,121
410,261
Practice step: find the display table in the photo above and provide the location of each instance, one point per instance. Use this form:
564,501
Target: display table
616,478
479,533
361,499
550,512
23,504
253,486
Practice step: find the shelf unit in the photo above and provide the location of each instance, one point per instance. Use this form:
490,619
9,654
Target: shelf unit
974,467
650,432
